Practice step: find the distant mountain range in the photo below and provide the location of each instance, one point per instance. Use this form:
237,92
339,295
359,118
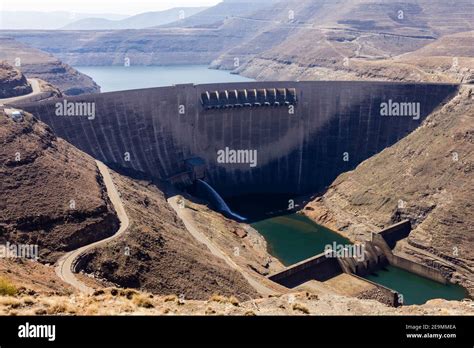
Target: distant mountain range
34,20
139,21
215,15
289,39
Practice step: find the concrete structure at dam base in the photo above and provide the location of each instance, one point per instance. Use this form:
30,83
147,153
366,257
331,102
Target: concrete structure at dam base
378,254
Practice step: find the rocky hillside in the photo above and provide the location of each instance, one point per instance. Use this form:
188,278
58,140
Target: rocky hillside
12,82
52,194
366,39
35,63
448,59
427,178
159,255
216,16
128,302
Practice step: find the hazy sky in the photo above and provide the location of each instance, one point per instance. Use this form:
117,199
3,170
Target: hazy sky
101,6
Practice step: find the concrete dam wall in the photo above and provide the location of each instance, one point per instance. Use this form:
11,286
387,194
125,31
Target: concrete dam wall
296,137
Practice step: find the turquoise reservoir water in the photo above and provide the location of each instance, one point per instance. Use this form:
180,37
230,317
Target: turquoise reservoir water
416,289
119,78
293,238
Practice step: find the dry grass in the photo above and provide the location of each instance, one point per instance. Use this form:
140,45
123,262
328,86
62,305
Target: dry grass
143,301
7,288
301,308
147,304
218,298
170,298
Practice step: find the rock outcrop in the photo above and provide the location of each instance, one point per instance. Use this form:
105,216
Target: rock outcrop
12,82
35,63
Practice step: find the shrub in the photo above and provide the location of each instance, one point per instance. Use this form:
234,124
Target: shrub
301,308
143,301
218,298
7,288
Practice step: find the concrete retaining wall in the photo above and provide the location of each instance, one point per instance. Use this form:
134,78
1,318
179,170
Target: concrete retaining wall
417,268
334,127
391,296
408,265
318,267
396,232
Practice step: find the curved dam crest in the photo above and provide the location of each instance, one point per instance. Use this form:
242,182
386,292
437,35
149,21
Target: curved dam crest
302,146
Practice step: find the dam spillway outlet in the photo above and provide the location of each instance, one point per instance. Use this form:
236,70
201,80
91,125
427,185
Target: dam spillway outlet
248,97
334,127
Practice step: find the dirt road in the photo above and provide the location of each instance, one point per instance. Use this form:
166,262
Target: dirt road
184,214
64,267
36,90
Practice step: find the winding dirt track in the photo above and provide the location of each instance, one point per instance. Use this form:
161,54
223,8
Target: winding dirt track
64,266
267,288
36,90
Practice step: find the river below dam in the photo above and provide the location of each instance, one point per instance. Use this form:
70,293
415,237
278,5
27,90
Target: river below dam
292,238
416,289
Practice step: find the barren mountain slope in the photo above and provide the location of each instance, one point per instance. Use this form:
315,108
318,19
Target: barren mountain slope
448,59
52,194
158,254
36,63
274,40
357,39
30,278
427,178
216,16
12,82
